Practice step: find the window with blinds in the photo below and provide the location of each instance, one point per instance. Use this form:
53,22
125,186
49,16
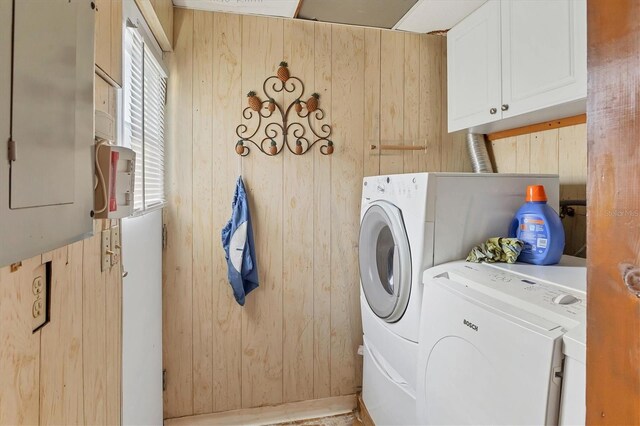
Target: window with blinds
145,87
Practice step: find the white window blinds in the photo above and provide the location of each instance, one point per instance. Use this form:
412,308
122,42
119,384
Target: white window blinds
155,89
144,104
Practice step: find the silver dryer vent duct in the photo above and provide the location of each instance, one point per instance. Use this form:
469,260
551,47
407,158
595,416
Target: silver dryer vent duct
477,148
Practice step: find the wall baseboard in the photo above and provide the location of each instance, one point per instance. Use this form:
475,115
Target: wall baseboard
289,412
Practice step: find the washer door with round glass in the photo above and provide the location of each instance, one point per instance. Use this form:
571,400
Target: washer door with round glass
385,261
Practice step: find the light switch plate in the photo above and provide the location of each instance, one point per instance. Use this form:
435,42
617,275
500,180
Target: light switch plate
115,244
106,250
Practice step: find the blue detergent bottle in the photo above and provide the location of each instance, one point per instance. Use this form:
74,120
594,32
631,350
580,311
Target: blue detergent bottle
540,227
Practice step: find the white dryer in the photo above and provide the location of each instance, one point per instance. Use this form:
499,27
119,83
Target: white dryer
491,343
409,223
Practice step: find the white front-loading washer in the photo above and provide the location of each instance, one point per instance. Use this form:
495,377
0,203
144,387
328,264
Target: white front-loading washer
492,341
409,223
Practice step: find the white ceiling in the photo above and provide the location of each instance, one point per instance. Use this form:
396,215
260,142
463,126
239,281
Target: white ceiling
425,16
283,8
434,15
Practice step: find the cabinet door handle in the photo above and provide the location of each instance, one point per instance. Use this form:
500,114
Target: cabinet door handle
505,107
493,111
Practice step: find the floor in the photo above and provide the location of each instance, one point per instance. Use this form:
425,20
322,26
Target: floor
342,420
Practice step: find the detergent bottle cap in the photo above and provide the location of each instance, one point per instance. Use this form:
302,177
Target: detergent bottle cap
536,193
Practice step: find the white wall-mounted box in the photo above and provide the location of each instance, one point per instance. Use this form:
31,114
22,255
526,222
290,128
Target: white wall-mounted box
46,125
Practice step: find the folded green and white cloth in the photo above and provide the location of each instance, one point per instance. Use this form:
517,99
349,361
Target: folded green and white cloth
496,249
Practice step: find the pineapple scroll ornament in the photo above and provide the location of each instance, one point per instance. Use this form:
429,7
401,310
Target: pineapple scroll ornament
298,136
254,102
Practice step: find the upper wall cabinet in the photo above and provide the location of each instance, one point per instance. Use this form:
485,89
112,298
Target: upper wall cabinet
109,39
512,63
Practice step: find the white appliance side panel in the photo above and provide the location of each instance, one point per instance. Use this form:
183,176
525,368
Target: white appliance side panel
473,208
401,354
480,366
387,402
142,320
573,404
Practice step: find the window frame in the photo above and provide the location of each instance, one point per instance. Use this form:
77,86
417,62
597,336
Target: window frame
133,20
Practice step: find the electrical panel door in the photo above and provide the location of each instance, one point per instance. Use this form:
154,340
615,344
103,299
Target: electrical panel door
46,125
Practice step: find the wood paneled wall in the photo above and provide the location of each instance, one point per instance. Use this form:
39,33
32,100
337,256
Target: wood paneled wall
297,336
560,151
69,371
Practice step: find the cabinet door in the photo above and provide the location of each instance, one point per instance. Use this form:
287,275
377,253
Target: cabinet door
544,54
473,68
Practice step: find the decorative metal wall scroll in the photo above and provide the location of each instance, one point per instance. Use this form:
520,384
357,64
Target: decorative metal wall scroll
275,135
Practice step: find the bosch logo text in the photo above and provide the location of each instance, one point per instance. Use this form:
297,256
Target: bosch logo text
470,325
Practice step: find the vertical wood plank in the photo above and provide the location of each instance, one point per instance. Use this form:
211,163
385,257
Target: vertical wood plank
113,288
262,50
432,116
391,100
19,347
103,35
523,154
322,225
454,157
202,213
298,229
61,397
94,349
346,175
177,261
226,112
572,168
544,152
371,158
572,162
505,154
115,71
413,160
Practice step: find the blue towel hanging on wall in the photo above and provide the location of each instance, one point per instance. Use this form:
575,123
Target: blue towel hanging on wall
237,240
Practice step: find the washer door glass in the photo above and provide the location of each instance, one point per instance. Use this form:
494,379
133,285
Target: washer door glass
385,261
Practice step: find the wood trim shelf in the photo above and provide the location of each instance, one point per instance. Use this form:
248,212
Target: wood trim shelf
538,127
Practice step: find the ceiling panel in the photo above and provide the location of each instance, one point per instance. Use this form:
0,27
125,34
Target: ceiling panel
285,8
368,13
436,15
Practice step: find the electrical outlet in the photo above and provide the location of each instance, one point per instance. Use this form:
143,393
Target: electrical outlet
39,292
115,244
106,250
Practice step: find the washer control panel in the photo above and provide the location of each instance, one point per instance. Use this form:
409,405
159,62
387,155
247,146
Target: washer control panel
383,187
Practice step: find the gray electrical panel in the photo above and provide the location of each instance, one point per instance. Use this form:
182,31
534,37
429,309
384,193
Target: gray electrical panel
46,125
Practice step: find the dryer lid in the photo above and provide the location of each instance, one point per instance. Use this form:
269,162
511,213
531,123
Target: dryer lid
385,261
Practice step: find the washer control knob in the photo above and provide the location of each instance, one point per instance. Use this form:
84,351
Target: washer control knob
565,299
